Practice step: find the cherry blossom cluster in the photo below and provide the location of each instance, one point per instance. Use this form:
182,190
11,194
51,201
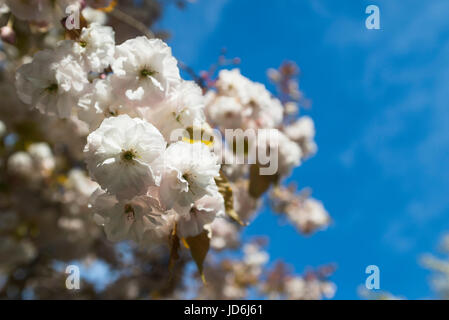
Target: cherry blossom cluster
235,102
148,182
39,11
439,280
110,139
132,100
234,278
35,163
239,103
306,213
312,285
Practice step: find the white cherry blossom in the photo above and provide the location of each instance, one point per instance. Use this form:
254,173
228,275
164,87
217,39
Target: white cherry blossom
280,150
96,45
203,212
309,216
189,172
126,219
121,154
184,108
42,156
225,112
259,108
21,163
94,16
101,102
302,131
53,81
145,70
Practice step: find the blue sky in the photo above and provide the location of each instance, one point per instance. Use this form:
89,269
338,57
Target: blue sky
380,102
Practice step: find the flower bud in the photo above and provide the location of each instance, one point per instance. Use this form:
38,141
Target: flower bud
8,35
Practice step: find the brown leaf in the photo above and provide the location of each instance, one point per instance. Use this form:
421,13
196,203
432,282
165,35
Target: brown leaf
225,190
259,184
174,249
199,246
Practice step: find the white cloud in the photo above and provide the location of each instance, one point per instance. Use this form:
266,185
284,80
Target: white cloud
408,137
